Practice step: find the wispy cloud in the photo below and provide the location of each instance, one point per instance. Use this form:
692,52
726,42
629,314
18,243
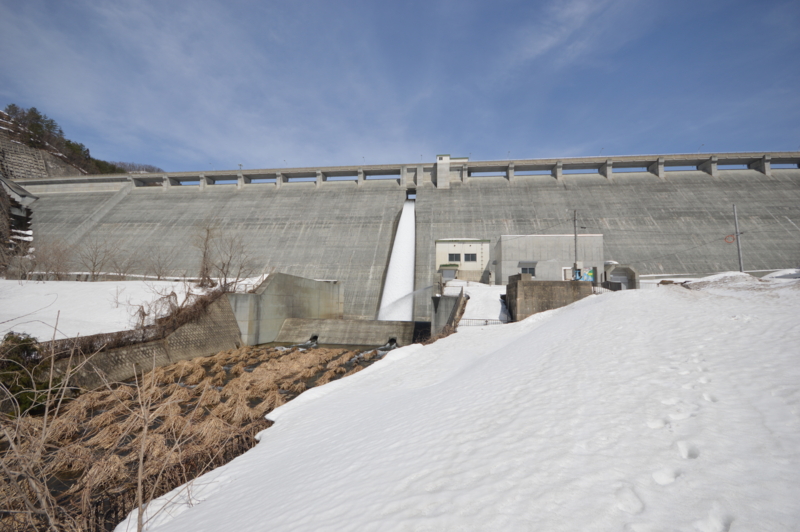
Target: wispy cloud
192,85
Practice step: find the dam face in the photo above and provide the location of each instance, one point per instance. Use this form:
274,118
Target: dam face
659,221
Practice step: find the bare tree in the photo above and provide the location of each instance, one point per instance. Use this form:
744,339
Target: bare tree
94,255
204,241
160,262
52,259
231,261
16,260
121,263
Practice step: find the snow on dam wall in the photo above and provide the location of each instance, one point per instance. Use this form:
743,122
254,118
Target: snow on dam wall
671,222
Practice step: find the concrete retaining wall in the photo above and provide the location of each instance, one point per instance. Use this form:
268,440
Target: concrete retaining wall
18,161
525,297
346,332
261,315
215,331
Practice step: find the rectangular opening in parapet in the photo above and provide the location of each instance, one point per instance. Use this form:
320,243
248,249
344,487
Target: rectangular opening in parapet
731,167
384,177
342,178
580,171
301,179
225,182
533,172
782,166
189,183
411,194
264,180
633,169
487,174
680,168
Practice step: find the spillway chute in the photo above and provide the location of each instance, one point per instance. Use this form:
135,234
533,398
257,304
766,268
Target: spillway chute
397,302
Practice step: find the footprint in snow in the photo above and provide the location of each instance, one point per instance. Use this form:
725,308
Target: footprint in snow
681,414
666,476
717,521
710,398
687,450
643,527
657,423
628,501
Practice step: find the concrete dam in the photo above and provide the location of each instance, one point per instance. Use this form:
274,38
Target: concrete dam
663,214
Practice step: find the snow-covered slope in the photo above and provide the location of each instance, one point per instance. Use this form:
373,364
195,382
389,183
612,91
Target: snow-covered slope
642,410
84,308
484,300
79,308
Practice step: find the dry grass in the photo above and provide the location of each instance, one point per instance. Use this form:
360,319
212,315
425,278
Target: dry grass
73,457
200,415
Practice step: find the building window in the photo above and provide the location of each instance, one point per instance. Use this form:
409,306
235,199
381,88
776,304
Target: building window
531,271
470,257
454,257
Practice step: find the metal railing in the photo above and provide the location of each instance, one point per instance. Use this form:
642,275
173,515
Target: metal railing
475,322
600,290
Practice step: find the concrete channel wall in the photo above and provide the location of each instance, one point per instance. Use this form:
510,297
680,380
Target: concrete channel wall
664,214
261,315
526,297
215,331
346,332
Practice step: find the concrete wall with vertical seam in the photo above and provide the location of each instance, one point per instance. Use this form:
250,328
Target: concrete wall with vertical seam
261,315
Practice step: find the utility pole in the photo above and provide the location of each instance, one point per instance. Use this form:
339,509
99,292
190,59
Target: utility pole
575,229
738,243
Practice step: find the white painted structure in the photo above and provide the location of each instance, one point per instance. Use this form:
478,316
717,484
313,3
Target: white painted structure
471,255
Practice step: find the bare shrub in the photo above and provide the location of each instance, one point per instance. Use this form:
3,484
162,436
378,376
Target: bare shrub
93,255
224,257
32,396
160,262
52,259
121,263
204,242
231,261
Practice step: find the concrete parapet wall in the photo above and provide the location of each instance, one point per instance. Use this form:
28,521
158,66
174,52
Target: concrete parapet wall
346,332
525,297
445,170
260,316
215,331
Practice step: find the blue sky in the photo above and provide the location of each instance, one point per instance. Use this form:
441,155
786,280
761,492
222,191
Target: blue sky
210,85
